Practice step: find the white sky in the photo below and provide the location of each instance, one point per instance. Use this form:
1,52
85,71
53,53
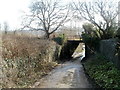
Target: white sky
11,11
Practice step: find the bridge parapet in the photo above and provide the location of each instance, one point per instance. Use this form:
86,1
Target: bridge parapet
74,37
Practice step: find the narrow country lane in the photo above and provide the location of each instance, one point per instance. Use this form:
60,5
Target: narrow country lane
67,75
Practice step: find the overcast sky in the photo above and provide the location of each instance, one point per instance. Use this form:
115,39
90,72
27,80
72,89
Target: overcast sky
12,10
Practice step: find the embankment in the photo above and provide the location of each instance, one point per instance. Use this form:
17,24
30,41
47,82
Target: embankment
25,59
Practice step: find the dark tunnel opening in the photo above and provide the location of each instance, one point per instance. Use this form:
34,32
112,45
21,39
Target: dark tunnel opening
70,48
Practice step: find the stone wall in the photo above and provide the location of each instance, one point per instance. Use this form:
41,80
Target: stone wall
110,49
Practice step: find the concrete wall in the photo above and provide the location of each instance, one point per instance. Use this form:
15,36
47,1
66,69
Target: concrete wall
110,49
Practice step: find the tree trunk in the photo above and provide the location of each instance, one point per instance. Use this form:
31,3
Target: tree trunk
47,35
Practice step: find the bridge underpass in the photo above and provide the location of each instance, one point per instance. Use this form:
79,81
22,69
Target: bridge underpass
69,48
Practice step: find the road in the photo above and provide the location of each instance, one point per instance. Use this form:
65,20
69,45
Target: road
67,75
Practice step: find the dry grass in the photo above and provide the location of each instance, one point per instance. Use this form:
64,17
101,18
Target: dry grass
18,46
26,59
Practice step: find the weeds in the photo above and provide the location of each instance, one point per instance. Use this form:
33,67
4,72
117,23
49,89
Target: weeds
105,74
26,59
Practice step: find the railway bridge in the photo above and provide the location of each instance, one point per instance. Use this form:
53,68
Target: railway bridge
70,46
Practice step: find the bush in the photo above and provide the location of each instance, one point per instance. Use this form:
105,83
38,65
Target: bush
105,74
91,42
26,59
60,39
91,36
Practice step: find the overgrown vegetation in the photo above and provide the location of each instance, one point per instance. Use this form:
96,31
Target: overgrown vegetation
91,37
105,74
102,14
26,59
60,39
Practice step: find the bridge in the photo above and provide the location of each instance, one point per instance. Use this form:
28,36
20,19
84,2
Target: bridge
70,46
74,37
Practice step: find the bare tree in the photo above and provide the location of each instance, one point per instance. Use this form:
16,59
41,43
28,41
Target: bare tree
0,26
47,16
101,13
6,27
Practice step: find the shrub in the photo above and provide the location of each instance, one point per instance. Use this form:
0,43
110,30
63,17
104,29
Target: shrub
60,39
105,74
91,42
93,35
26,59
